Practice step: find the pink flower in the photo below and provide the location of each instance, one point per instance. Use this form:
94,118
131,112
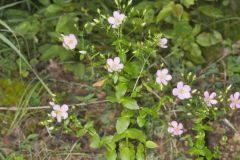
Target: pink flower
182,91
176,128
60,112
117,19
163,42
209,99
114,65
69,41
163,77
235,100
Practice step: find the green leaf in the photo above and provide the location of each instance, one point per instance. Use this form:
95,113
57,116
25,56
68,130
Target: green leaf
141,121
149,16
66,24
133,68
211,11
187,3
28,27
165,11
121,89
208,39
95,141
53,9
151,144
178,10
140,152
134,133
53,51
44,2
130,103
111,155
122,124
127,151
195,54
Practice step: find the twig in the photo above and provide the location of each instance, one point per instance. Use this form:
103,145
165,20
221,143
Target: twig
229,124
14,108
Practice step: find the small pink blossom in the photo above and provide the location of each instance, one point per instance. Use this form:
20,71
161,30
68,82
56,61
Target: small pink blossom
176,129
114,65
117,19
182,91
163,42
209,98
235,100
163,77
59,112
69,41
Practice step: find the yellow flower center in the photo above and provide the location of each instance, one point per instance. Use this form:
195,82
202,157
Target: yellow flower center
162,76
176,129
70,41
236,101
182,91
114,66
58,112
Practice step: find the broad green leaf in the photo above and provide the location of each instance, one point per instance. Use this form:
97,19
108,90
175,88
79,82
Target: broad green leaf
178,10
122,124
211,11
166,11
121,89
141,121
66,24
95,141
195,54
130,103
28,27
44,2
53,9
133,68
134,133
149,16
111,155
207,39
151,144
53,51
127,151
187,3
140,152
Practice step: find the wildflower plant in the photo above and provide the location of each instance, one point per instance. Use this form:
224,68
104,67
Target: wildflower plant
142,87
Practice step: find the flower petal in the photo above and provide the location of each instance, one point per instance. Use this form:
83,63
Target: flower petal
214,101
65,115
174,123
175,91
56,107
164,70
116,60
64,108
116,14
109,62
170,129
120,66
111,20
187,88
236,95
206,94
180,85
53,114
59,118
168,77
180,125
212,95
